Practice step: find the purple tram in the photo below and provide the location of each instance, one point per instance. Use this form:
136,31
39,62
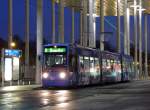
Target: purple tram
73,65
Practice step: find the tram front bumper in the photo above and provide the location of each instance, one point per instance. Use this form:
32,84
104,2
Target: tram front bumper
56,83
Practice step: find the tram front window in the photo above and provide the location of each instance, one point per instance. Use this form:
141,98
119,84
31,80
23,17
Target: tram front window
55,60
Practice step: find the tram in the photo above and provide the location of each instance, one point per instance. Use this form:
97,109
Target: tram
73,65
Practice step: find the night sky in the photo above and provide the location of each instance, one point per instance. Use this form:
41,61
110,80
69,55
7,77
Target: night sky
19,22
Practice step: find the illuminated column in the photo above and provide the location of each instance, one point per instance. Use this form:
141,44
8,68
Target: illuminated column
39,40
102,25
91,24
53,21
128,30
85,23
10,24
72,37
146,63
125,28
61,22
140,39
135,37
81,27
27,31
118,27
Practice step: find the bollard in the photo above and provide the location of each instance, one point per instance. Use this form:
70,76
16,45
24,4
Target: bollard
23,83
3,84
18,82
29,82
10,83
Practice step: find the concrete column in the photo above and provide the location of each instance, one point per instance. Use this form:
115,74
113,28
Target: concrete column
72,37
140,39
118,27
61,22
85,23
39,40
81,27
125,28
10,23
53,22
27,34
102,25
146,34
135,38
91,24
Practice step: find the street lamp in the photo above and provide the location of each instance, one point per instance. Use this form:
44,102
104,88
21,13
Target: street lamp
12,44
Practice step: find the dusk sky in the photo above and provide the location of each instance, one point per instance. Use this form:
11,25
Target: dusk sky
19,24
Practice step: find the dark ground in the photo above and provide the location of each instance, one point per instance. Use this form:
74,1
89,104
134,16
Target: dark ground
125,96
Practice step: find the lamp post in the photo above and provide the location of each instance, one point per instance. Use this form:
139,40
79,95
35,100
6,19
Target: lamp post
10,8
27,31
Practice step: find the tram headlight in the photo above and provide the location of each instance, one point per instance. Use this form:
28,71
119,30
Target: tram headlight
45,75
62,75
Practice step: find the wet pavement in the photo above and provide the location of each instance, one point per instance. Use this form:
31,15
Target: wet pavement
124,96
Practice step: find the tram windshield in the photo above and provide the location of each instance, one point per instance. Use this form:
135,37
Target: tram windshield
55,60
55,56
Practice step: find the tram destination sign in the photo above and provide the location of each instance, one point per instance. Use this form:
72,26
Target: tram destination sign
54,50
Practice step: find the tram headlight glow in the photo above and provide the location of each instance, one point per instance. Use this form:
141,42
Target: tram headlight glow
45,75
62,75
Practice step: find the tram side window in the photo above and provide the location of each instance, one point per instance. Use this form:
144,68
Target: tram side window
124,66
92,68
97,66
81,64
119,66
110,65
86,65
104,65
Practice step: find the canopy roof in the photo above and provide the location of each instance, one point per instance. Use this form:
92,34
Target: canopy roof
110,6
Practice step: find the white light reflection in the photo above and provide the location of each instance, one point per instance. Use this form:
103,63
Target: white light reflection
62,105
45,93
45,101
10,88
63,96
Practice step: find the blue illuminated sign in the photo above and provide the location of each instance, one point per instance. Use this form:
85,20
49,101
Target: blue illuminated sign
12,53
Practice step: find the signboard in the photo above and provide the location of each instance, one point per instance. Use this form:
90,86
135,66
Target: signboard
8,69
54,50
15,75
12,53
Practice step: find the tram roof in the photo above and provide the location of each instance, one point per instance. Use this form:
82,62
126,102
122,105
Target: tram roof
110,6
